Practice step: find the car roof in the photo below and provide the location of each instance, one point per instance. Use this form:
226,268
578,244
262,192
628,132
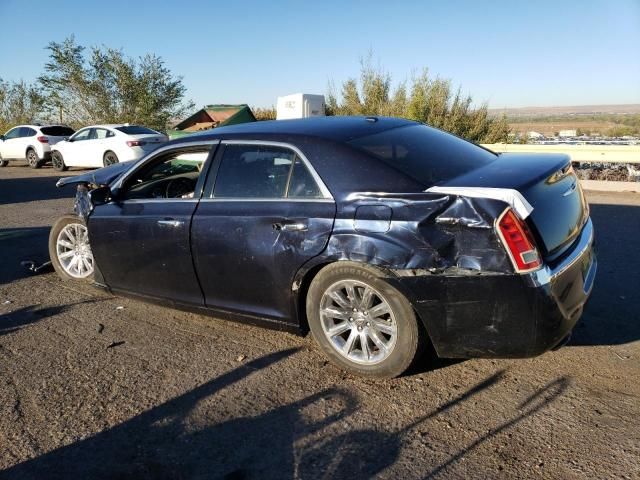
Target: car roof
337,129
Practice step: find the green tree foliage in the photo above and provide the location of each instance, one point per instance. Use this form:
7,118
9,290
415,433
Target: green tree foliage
425,99
105,86
20,102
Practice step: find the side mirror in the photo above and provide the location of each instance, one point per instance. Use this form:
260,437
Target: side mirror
100,196
70,139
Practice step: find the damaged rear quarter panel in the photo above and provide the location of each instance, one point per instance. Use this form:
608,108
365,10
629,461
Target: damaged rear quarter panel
425,231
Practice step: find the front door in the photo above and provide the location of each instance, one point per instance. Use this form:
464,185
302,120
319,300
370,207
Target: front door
263,216
76,151
140,240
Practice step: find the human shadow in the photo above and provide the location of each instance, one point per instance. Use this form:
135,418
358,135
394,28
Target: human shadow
611,317
22,244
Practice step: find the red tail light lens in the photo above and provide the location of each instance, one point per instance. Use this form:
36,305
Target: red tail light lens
520,244
42,139
135,143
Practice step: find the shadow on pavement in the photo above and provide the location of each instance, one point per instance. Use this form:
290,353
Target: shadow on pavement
32,189
22,244
612,314
162,443
15,320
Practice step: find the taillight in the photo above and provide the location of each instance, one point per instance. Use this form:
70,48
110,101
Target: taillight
42,139
519,242
135,143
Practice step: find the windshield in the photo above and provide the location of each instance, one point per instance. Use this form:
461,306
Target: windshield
136,130
424,153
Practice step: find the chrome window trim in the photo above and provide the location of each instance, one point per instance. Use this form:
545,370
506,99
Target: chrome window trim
268,199
159,151
326,194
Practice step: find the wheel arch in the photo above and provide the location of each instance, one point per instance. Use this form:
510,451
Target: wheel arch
308,272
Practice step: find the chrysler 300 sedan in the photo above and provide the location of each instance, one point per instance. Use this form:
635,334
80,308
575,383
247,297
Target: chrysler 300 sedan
379,235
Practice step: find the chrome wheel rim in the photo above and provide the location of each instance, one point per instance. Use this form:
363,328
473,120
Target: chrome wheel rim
358,322
109,159
73,250
32,158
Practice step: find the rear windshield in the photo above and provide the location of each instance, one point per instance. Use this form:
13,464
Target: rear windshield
57,131
424,153
136,130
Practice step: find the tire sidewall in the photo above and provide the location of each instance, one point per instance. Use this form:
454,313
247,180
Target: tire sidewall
33,164
59,224
107,154
407,342
61,167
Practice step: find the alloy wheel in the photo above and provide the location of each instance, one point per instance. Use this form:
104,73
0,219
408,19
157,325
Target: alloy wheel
358,322
73,250
32,158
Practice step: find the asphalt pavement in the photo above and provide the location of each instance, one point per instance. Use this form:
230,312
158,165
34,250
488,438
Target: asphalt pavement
99,386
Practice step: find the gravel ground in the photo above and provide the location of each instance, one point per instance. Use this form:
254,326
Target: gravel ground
97,386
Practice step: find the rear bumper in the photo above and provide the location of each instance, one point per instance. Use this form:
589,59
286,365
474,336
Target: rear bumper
505,315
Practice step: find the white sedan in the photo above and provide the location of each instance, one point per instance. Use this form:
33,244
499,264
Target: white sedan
103,145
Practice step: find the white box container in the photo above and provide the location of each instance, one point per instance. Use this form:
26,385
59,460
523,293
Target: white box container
300,105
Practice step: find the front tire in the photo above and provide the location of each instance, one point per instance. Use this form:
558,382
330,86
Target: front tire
32,159
57,161
69,249
362,323
109,158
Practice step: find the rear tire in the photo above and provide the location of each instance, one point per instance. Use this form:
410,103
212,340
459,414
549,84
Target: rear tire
57,161
109,158
363,324
32,159
69,249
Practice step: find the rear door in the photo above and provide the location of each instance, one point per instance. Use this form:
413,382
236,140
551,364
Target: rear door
264,214
140,240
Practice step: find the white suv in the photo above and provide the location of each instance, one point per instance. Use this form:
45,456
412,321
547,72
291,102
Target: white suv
31,143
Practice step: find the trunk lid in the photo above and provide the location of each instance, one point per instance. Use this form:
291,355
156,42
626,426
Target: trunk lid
548,183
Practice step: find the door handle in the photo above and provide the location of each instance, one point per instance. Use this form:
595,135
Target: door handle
290,227
170,223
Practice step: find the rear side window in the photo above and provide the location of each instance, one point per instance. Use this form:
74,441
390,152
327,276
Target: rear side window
302,184
253,171
57,131
27,132
136,130
426,154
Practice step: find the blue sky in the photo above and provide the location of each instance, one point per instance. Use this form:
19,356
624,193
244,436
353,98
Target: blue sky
508,53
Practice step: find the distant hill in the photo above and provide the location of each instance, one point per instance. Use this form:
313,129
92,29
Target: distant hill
627,109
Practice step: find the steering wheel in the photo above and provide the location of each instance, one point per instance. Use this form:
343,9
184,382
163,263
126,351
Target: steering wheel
178,187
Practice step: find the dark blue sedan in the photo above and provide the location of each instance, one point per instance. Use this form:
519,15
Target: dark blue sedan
380,235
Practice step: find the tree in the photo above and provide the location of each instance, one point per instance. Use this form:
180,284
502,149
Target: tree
430,100
105,86
20,102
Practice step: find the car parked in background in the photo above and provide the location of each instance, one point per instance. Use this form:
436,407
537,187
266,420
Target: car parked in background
31,143
104,145
379,234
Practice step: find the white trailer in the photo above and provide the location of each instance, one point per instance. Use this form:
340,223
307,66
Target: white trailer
300,105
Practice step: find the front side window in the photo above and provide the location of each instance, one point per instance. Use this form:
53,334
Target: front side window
13,133
170,175
263,171
82,135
